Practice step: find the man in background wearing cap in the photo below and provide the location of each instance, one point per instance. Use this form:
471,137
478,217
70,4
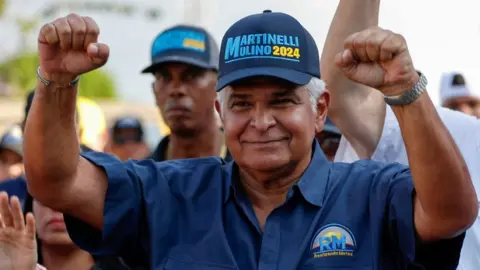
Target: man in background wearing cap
11,153
329,139
126,139
279,204
184,64
455,94
372,131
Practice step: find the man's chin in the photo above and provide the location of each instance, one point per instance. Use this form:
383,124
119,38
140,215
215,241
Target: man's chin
265,164
59,239
182,130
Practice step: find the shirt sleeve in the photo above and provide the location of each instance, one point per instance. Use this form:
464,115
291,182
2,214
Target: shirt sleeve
124,211
393,185
394,180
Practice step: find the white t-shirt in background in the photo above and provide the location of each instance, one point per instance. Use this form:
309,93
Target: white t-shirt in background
465,131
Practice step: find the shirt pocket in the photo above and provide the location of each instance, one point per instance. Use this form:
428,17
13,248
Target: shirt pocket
173,264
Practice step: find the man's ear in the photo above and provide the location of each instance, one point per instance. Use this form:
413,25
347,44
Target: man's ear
322,108
218,108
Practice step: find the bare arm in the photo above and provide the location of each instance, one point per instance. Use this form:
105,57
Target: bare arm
56,174
358,110
445,203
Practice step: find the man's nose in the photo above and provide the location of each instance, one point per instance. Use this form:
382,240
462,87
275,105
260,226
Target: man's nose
262,119
177,88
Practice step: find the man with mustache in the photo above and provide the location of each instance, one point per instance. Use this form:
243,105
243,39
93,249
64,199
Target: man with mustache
184,64
279,204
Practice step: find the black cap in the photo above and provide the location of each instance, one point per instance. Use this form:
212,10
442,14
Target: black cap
184,44
330,127
130,122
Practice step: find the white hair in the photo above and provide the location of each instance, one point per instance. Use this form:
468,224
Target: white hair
315,88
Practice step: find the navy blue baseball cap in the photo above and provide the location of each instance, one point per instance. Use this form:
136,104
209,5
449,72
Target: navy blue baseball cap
330,127
184,44
128,122
268,44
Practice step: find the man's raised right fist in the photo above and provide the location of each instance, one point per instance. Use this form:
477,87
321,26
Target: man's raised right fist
68,47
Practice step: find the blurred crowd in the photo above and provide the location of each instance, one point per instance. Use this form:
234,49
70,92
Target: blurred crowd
184,91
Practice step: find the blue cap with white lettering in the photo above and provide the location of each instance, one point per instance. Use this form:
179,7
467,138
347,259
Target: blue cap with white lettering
268,44
184,44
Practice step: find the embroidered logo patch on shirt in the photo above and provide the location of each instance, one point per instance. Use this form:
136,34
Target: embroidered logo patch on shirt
333,240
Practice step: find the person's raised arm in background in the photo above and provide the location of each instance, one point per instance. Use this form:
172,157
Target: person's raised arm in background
352,103
57,175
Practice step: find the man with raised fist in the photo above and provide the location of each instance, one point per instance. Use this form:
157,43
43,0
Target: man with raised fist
279,204
372,130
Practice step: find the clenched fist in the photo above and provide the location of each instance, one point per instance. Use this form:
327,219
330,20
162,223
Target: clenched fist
380,59
68,47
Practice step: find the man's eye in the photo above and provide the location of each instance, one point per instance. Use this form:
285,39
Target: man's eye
283,101
189,77
240,104
192,75
162,78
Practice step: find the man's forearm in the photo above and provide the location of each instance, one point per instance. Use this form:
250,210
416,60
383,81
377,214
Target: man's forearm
51,145
441,178
356,109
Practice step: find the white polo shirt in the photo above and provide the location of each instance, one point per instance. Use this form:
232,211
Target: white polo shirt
466,132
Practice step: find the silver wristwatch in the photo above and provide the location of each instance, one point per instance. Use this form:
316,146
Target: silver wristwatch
409,96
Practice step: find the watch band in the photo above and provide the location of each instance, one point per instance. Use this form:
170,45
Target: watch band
409,96
47,82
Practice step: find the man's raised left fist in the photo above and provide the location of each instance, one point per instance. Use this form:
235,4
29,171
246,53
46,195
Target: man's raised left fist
380,59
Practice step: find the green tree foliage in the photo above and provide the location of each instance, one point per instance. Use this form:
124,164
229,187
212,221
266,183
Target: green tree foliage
20,72
2,6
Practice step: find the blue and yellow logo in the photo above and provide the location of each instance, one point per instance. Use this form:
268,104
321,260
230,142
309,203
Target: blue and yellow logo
179,39
263,45
333,240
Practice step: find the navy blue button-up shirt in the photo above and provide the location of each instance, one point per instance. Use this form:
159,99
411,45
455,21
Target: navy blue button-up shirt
193,214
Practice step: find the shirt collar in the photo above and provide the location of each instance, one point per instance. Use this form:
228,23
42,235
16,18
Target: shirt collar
312,184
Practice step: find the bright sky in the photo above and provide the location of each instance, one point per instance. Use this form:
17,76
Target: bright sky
442,35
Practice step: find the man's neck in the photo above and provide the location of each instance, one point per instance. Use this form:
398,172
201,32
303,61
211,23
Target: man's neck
267,191
65,257
206,142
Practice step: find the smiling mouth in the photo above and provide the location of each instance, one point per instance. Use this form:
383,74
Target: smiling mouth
266,142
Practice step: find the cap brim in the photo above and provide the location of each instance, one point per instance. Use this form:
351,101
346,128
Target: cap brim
293,76
17,149
177,59
331,129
